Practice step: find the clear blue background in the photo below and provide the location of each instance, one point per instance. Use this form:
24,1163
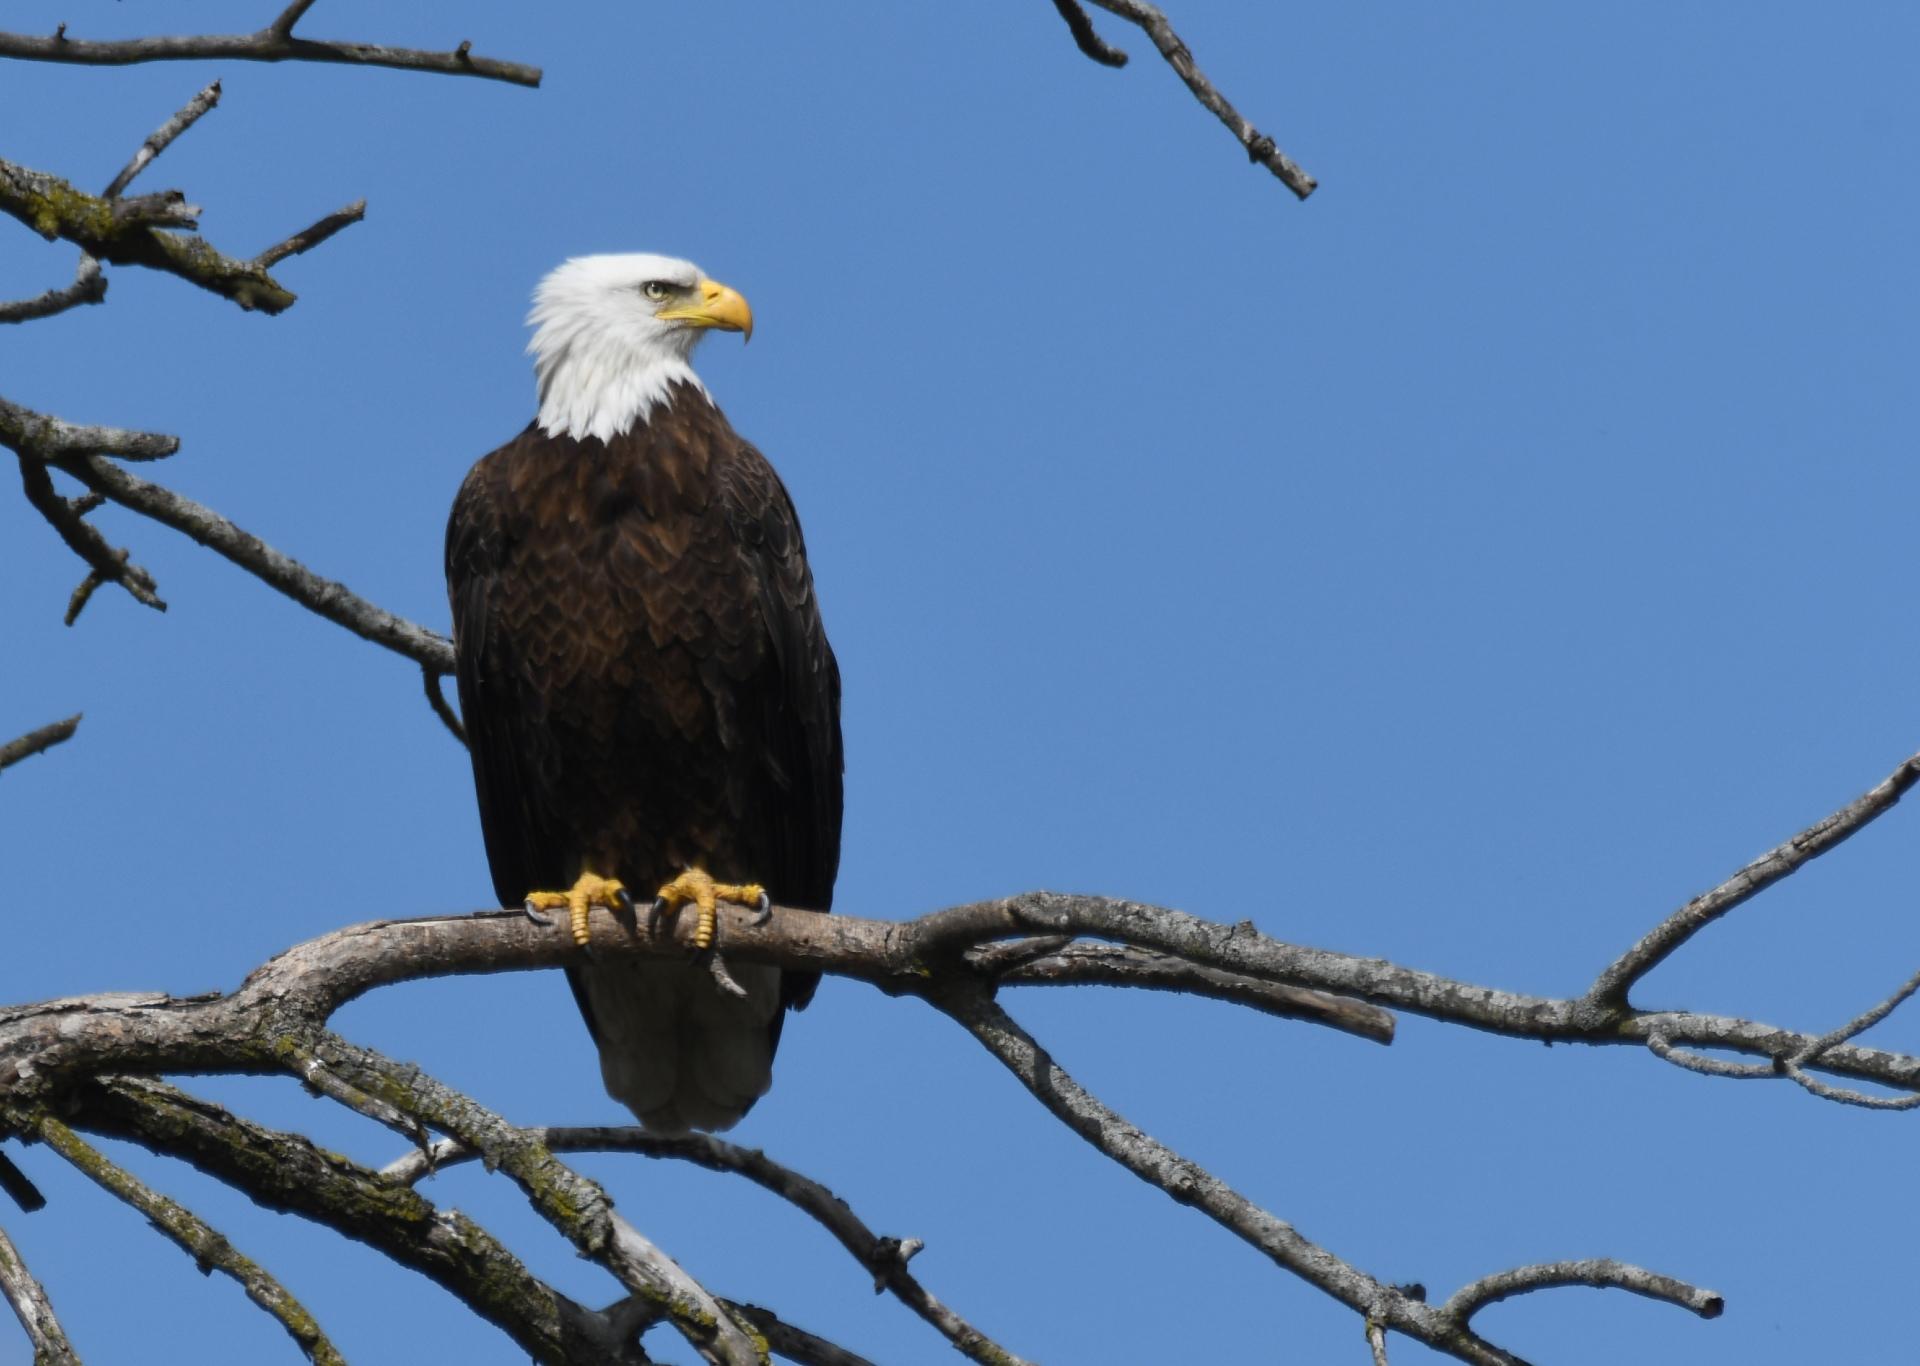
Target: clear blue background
1464,567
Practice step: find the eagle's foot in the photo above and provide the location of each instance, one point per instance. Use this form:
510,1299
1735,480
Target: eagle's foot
591,890
695,886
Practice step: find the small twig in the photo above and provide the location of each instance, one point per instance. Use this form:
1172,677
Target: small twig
290,16
156,143
38,741
89,287
17,1188
1156,1164
795,1344
1609,991
1121,966
107,562
437,699
274,43
1661,1046
1377,1342
1809,1056
885,1259
209,1249
1600,1273
1259,147
309,238
1085,37
33,1308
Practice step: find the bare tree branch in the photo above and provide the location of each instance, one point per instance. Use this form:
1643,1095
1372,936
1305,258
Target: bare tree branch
1599,1273
274,43
885,1259
156,143
276,1019
28,433
1260,148
1796,1065
55,209
288,17
795,1344
89,287
325,597
574,1205
105,563
437,699
1609,991
1086,37
309,238
33,1308
288,1173
1377,1341
209,1249
38,741
1119,966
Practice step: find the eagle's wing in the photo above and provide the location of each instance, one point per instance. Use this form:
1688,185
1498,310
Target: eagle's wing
503,734
791,713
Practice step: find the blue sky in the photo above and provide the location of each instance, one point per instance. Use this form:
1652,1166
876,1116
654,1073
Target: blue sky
1464,567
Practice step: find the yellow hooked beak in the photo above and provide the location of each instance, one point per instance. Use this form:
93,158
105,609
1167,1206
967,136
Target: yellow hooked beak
720,306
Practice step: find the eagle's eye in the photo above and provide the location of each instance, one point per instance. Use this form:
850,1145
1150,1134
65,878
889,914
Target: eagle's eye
657,290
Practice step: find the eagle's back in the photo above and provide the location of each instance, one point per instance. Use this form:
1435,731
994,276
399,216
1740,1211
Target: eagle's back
647,686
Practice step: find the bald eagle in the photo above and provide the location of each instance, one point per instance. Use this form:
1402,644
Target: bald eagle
649,697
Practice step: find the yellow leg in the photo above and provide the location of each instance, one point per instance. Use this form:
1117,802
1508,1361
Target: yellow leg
591,890
695,886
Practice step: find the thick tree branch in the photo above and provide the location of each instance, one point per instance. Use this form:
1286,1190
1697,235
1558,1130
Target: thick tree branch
43,437
33,1308
274,43
38,741
288,1173
574,1205
89,287
885,1259
1259,147
55,209
48,1051
209,1249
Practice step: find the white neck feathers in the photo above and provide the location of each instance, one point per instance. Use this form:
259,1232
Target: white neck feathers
603,361
597,390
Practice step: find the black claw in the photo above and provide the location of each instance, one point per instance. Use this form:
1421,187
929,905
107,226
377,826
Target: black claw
623,901
534,913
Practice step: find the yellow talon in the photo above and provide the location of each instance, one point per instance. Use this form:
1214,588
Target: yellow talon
695,886
589,891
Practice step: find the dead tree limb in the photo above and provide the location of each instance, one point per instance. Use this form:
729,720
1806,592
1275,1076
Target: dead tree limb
1260,149
274,43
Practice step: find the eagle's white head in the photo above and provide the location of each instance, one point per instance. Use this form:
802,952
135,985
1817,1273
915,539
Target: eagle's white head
611,334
